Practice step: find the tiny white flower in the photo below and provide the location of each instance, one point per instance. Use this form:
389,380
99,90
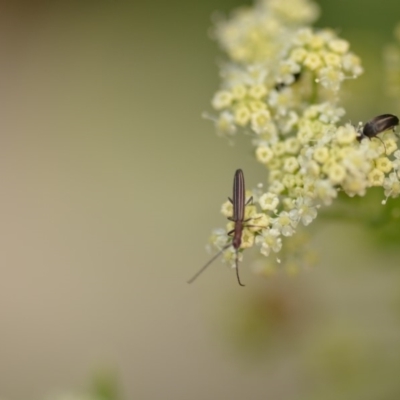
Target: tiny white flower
222,99
269,201
391,185
292,145
291,164
332,60
383,164
321,154
289,124
316,42
376,177
336,173
269,240
331,78
257,106
325,191
260,121
352,64
303,36
284,223
264,154
304,210
282,101
339,46
276,187
242,115
396,161
238,92
312,61
279,149
346,134
225,124
258,91
298,54
219,238
287,70
227,209
289,181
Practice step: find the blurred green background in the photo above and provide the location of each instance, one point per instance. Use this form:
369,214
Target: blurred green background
110,184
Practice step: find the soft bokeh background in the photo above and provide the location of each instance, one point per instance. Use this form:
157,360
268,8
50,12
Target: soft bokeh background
110,185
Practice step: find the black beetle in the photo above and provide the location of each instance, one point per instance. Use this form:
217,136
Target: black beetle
377,125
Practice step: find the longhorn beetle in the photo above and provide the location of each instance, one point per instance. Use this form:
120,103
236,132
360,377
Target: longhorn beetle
239,204
377,125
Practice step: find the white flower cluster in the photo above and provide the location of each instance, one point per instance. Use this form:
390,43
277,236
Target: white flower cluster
259,33
281,86
277,68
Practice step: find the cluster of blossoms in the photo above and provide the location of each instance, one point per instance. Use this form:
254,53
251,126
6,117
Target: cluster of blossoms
281,87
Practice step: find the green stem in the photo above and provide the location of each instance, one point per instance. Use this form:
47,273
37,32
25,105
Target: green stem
314,89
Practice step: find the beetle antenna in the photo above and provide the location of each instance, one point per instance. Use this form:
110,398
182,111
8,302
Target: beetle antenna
237,270
202,269
382,143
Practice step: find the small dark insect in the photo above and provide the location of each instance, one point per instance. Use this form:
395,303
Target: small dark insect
377,125
239,205
279,86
